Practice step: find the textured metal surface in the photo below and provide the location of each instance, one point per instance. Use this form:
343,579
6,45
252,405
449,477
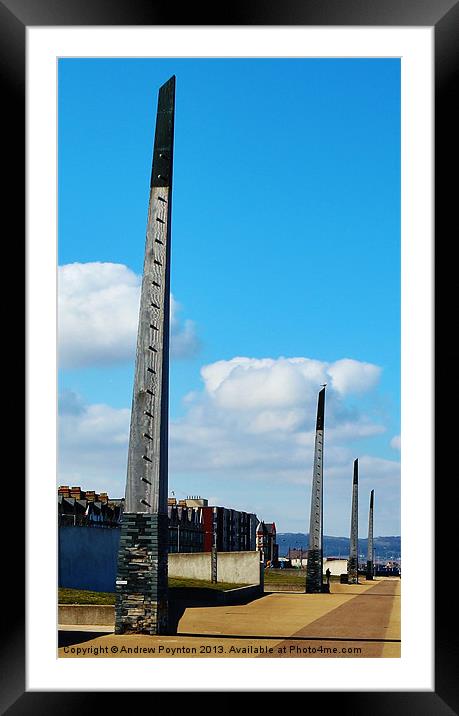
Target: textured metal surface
213,566
315,554
161,172
315,522
352,565
146,484
141,605
320,410
370,546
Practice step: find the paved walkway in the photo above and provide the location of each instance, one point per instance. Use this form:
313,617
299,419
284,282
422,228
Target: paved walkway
368,625
353,621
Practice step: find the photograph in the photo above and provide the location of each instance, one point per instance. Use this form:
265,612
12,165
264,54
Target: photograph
233,226
229,357
233,222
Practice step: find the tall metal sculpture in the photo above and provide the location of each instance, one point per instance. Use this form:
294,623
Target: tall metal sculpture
370,564
353,562
315,553
141,585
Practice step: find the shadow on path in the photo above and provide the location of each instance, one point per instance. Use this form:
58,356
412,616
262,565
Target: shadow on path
181,599
366,619
280,637
68,638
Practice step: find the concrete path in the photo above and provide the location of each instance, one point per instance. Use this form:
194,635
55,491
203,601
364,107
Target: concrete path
367,625
353,621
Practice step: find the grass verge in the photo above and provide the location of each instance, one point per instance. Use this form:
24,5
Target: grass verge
82,596
288,577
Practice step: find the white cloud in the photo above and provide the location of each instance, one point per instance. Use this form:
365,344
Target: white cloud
93,443
184,340
396,442
351,376
283,382
250,433
259,414
375,473
98,308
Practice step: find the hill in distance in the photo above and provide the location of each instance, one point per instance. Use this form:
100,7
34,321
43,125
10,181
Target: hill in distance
385,547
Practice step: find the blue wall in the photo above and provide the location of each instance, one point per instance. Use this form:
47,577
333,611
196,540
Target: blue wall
88,558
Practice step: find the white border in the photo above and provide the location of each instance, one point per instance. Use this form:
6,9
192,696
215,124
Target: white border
414,671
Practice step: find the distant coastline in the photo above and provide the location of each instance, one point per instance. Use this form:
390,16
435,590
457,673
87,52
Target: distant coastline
385,547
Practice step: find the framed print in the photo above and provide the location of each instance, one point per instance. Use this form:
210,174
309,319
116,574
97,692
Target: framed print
303,164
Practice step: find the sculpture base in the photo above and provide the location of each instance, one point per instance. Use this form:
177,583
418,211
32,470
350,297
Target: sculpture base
141,583
314,577
352,571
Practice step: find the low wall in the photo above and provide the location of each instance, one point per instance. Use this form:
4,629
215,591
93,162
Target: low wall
88,560
336,566
239,567
86,614
104,615
232,567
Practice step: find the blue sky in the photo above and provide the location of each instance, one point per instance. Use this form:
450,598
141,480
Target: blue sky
285,244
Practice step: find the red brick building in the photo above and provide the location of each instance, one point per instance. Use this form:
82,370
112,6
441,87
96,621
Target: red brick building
266,542
228,530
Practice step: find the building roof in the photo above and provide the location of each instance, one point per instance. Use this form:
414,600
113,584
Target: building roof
270,526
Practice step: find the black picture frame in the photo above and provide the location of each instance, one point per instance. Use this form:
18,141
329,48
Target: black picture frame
15,17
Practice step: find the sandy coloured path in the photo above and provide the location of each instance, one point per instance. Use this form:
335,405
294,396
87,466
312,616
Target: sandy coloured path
353,621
